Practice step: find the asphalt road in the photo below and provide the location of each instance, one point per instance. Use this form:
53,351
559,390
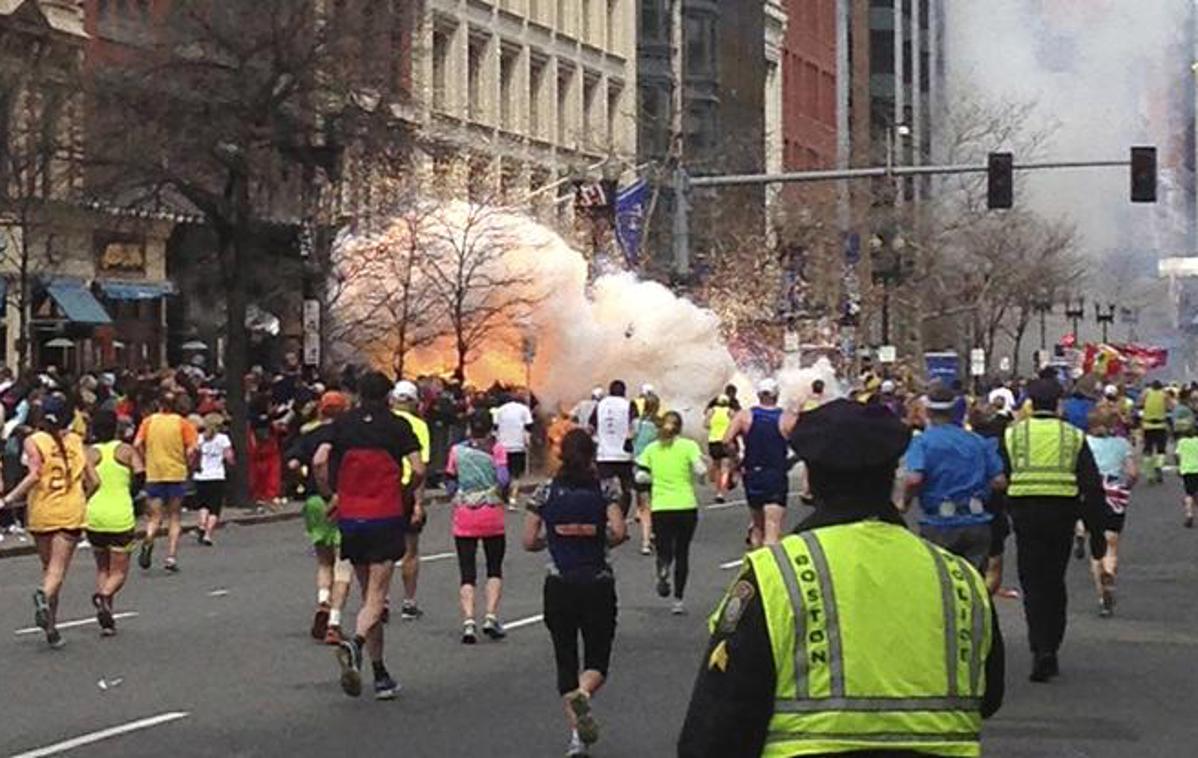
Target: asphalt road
218,659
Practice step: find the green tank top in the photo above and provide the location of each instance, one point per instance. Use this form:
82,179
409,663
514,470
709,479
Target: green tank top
721,419
111,508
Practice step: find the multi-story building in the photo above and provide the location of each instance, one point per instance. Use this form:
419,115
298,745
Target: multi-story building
513,96
809,71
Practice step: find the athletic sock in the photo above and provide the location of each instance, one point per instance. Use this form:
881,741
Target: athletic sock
334,617
322,595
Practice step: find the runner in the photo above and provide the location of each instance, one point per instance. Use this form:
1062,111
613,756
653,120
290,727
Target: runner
477,478
764,429
405,403
167,443
1155,407
216,455
333,573
578,521
111,522
513,423
363,463
1117,465
645,431
672,463
1187,467
717,420
57,483
585,410
612,421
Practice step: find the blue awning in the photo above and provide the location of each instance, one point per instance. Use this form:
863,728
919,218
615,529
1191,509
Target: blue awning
77,303
114,290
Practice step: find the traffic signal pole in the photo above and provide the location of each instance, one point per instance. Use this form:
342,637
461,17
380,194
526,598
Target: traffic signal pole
684,184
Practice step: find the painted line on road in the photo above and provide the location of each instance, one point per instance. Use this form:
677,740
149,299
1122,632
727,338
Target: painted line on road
525,622
104,734
80,622
732,564
431,558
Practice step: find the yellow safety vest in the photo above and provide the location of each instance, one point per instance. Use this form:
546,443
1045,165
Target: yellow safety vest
879,642
1156,409
1043,454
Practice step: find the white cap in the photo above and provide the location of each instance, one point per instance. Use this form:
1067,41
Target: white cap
405,390
887,387
767,387
647,389
597,393
1111,391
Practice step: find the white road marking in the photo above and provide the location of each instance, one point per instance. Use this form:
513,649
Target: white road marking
104,734
525,622
732,564
726,504
218,593
437,557
71,624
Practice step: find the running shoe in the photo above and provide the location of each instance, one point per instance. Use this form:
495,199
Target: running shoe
1079,547
678,609
171,565
469,633
646,550
409,611
719,499
83,544
1189,522
320,622
575,749
54,639
493,628
663,585
386,688
41,610
146,555
206,541
199,537
333,636
104,615
349,656
580,706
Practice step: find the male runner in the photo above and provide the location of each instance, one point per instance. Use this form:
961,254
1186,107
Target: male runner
405,403
612,421
167,443
765,429
363,464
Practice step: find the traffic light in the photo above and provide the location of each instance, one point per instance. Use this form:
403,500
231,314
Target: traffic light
1000,187
1143,174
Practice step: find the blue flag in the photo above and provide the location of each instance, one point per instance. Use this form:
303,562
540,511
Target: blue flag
630,220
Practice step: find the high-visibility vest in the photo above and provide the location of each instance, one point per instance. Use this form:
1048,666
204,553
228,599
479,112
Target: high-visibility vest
1043,454
721,419
1156,409
879,640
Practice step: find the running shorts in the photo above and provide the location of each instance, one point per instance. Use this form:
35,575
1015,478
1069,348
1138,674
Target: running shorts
121,542
321,531
1191,484
366,544
166,491
717,451
1155,441
210,494
517,463
766,487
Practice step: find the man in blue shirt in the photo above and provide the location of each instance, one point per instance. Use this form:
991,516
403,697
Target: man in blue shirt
953,472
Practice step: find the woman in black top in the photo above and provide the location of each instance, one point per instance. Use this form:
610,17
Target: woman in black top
578,520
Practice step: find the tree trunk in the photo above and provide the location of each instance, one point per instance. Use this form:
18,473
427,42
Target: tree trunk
236,362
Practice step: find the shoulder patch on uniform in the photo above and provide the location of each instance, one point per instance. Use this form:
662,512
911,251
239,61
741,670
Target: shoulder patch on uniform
719,657
738,597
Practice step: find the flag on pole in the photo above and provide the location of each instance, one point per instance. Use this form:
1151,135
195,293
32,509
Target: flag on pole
630,220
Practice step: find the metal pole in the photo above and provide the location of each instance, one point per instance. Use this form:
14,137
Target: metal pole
1043,329
681,236
885,312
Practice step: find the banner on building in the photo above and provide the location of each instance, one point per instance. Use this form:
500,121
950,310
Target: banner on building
630,220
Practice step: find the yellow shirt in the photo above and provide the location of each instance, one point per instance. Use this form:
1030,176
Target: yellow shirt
57,500
166,437
420,429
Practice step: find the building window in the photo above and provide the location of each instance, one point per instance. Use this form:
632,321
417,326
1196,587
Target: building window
590,101
701,126
614,93
441,47
508,60
700,45
536,94
652,20
565,83
476,56
653,118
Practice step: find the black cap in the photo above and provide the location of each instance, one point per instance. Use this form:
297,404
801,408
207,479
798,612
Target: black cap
1044,392
848,436
941,398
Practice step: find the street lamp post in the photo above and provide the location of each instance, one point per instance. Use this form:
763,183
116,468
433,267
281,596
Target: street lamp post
887,272
1075,311
1105,318
1043,306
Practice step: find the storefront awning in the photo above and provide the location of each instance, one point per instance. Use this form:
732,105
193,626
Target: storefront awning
77,303
115,290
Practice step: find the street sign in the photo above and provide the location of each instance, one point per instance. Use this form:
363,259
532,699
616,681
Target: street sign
790,341
977,362
887,354
1004,364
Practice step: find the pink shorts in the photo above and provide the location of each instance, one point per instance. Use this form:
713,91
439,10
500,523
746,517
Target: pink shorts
484,521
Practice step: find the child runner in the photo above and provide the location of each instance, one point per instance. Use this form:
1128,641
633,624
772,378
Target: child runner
1117,465
578,521
216,454
672,463
58,482
477,479
1187,460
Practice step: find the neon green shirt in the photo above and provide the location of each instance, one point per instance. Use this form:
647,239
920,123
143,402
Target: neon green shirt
420,429
673,472
1187,455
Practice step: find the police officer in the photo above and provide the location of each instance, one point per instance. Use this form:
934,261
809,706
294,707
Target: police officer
1052,481
1154,404
852,635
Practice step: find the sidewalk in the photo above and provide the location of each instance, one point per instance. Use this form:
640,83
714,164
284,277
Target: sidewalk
13,546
